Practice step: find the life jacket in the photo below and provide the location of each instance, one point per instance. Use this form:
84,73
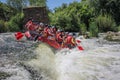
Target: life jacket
39,29
59,37
45,29
53,30
48,32
27,34
70,40
45,32
30,26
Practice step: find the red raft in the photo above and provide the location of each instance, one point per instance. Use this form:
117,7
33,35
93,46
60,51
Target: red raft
56,45
52,43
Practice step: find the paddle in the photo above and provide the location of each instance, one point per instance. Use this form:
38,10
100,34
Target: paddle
78,46
18,35
78,41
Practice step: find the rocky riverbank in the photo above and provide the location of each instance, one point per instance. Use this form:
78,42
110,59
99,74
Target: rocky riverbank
12,53
113,36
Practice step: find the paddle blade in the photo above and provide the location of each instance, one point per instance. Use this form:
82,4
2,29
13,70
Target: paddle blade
18,35
78,41
80,47
27,34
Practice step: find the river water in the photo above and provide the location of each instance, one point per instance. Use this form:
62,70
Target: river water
96,62
100,60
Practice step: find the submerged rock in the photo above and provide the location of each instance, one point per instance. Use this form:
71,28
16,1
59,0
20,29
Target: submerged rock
12,53
4,75
113,36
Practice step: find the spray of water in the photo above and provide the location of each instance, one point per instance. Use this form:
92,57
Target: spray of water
97,62
44,63
94,63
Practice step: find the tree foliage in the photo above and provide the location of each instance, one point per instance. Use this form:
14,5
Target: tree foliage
73,15
6,12
20,4
105,23
40,3
104,14
17,4
103,7
87,15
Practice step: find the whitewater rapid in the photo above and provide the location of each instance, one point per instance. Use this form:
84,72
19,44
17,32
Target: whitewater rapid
100,60
96,62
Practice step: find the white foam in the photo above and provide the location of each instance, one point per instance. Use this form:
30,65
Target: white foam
94,63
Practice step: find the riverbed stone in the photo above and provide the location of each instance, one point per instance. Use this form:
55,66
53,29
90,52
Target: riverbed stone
113,36
4,75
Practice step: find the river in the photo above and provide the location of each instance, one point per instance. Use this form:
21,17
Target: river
100,60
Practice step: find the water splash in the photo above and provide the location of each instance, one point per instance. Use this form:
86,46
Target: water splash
95,63
44,63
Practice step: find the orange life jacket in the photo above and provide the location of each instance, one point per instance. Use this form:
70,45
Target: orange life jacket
47,31
30,26
53,30
59,37
70,40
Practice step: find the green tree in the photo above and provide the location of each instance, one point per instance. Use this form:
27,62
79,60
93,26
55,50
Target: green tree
86,13
107,7
76,12
105,23
66,17
40,3
18,4
15,23
6,12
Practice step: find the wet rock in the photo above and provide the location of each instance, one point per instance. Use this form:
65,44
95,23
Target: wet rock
4,75
113,36
12,52
20,50
86,35
35,75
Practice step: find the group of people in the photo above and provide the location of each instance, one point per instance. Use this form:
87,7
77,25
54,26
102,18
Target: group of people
44,31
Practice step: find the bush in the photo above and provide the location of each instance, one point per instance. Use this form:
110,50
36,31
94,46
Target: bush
119,28
3,27
105,23
15,23
13,26
93,29
83,28
6,27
